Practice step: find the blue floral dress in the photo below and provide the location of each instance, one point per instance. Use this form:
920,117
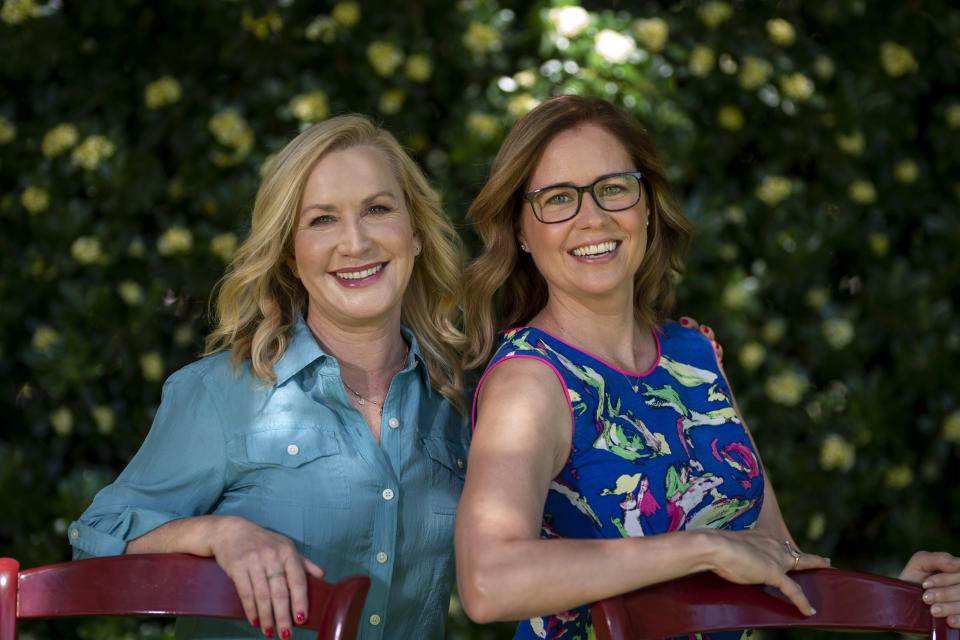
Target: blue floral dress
658,451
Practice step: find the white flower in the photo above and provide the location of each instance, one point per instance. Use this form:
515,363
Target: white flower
569,20
837,453
838,332
786,388
652,33
613,46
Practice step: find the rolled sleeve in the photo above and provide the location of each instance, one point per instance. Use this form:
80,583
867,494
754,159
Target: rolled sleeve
178,472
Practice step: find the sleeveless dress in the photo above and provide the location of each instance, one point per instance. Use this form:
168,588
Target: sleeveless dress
653,452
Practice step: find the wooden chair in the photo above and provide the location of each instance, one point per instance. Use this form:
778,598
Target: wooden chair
704,602
158,585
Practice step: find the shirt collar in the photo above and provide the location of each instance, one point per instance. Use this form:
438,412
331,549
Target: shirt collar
303,350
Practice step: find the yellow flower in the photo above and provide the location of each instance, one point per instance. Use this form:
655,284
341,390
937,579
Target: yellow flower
730,117
797,86
737,294
951,427
781,32
906,171
899,477
852,144
175,240
322,28
130,292
87,250
714,13
896,59
774,190
151,366
862,192
231,130
162,92
483,125
702,61
16,11
837,453
419,67
879,243
786,388
652,33
816,526
527,78
92,151
44,338
346,14
773,330
754,73
391,101
953,116
384,57
824,67
104,417
59,139
480,38
570,20
62,421
751,355
613,46
35,199
520,104
310,107
224,245
816,297
838,332
262,27
7,131
183,336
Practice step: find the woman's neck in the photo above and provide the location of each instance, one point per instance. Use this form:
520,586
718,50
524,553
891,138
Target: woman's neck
369,356
611,334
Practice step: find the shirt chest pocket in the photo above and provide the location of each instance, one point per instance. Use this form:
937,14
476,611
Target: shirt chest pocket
448,468
297,465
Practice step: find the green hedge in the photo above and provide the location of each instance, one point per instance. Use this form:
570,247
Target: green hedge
815,144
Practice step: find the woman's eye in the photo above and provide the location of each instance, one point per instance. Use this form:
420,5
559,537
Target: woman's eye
558,198
319,221
377,209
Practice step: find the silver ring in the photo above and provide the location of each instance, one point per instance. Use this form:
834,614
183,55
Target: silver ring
278,574
793,552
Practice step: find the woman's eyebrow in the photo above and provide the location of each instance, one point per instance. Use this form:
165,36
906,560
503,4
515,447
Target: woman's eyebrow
331,208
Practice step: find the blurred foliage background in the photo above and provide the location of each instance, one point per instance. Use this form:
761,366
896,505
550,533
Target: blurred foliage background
815,144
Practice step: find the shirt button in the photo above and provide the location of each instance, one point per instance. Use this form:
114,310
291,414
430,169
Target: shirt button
460,463
381,557
374,619
74,533
293,449
387,494
393,423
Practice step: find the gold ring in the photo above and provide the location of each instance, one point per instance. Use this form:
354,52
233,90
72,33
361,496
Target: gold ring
278,574
796,562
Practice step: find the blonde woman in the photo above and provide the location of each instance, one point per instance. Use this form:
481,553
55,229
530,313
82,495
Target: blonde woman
322,432
608,453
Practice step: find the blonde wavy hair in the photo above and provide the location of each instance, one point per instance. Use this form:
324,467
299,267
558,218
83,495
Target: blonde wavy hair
259,298
506,289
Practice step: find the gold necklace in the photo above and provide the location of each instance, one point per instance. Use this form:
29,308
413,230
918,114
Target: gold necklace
361,400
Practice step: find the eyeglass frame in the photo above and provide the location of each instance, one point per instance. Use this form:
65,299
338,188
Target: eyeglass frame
580,191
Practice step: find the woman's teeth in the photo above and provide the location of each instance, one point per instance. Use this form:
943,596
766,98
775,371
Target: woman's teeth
359,275
595,249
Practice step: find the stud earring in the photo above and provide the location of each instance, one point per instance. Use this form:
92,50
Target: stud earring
416,250
648,222
523,245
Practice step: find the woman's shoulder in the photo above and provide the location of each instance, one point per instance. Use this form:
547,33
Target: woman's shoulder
214,370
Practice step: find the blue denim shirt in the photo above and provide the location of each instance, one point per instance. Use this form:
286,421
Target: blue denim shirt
297,458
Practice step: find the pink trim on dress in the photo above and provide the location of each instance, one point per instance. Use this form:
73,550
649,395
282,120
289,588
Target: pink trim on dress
656,362
476,394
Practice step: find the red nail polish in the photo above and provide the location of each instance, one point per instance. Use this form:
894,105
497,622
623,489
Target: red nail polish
704,328
268,632
285,634
301,617
684,321
256,622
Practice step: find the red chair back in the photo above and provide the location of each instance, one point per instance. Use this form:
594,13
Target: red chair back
704,602
158,585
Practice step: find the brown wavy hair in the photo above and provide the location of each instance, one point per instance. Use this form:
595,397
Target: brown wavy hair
259,298
506,289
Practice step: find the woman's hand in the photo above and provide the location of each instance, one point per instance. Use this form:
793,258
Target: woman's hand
753,557
269,573
939,574
691,323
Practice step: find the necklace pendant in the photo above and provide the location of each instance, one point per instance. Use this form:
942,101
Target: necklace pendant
635,388
362,401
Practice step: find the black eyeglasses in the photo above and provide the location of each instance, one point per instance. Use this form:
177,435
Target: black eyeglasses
615,192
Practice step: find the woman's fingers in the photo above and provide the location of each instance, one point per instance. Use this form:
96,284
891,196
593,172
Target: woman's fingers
793,592
812,561
280,597
262,594
245,590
